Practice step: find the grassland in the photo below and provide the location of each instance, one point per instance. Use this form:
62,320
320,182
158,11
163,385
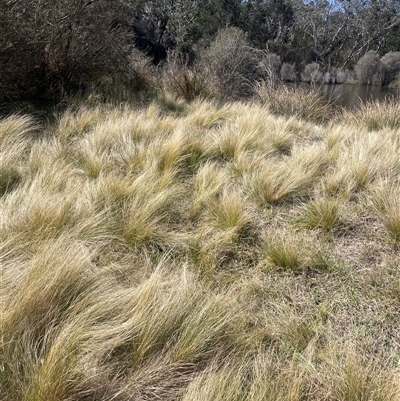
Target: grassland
200,252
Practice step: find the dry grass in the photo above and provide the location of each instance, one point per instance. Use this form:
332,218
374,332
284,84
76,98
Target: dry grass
376,115
198,253
362,159
385,199
303,103
321,213
275,179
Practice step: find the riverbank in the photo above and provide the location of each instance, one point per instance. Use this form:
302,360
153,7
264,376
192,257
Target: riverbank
201,251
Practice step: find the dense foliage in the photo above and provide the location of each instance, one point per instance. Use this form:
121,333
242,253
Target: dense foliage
49,49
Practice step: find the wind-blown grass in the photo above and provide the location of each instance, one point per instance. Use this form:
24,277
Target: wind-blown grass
385,199
198,254
376,115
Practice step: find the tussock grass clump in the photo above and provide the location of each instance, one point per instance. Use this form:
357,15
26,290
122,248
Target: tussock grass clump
9,176
321,213
361,160
38,355
174,151
299,102
385,199
376,115
16,128
74,123
276,180
285,252
144,221
145,212
217,384
150,254
270,182
229,211
227,225
16,134
37,214
251,133
282,142
296,253
356,379
211,248
208,184
205,114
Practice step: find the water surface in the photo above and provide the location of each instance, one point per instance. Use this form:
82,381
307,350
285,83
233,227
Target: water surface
351,96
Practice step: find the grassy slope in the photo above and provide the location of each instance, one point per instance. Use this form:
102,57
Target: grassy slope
214,253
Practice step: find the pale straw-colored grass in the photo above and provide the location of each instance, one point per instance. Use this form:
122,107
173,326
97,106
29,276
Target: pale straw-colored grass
376,115
151,254
385,199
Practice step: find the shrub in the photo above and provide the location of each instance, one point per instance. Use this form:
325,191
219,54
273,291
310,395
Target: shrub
350,76
390,67
230,66
312,73
329,77
368,67
178,78
270,67
288,72
335,76
341,76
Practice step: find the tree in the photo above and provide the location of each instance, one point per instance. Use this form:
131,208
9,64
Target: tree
269,24
48,48
180,25
342,30
371,24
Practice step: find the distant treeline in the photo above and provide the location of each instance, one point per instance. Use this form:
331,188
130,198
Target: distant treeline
49,49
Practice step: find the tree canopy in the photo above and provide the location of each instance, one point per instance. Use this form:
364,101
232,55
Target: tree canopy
59,46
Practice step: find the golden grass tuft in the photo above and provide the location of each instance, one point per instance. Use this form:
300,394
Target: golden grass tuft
376,115
302,103
275,180
228,211
361,160
285,252
205,114
321,213
385,199
16,128
293,252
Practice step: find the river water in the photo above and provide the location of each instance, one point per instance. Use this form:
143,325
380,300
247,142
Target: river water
351,96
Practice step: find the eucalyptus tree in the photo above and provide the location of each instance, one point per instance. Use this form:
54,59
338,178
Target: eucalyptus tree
269,23
371,25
